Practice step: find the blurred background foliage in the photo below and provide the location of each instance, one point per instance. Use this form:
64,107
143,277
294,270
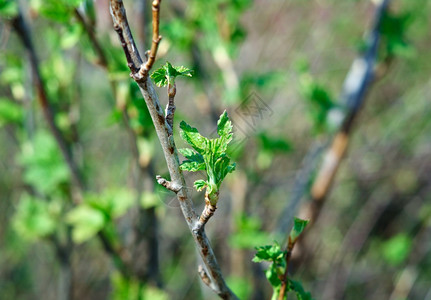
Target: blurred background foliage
278,68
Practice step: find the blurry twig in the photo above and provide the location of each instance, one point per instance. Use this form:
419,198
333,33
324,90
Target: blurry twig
145,68
21,28
216,280
149,232
299,187
357,84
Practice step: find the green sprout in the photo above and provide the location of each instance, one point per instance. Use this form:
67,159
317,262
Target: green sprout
208,155
165,75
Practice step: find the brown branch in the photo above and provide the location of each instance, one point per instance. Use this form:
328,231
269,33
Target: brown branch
284,278
204,276
121,26
207,213
170,107
102,60
167,184
143,72
165,136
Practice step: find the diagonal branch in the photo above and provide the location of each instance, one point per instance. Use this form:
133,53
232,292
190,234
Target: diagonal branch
217,283
116,252
21,28
358,82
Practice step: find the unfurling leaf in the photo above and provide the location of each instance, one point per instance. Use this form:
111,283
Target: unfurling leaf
200,184
271,253
301,294
224,128
298,227
166,75
210,155
192,166
159,77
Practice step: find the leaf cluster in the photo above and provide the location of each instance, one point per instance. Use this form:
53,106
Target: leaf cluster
97,212
278,263
318,98
393,30
208,155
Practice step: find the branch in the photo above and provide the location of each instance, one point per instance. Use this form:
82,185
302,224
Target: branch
167,184
358,82
206,214
102,60
121,26
143,72
20,26
170,108
284,281
170,152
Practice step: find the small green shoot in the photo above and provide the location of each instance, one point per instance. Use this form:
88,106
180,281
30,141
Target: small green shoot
279,259
165,76
209,155
298,227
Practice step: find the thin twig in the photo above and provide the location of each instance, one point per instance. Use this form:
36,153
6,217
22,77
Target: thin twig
207,213
143,72
218,284
170,107
167,184
102,60
284,279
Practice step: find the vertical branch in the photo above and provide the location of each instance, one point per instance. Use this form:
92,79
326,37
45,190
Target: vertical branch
170,108
284,279
143,72
213,273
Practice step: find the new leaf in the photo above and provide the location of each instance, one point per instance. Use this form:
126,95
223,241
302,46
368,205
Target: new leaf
209,155
166,75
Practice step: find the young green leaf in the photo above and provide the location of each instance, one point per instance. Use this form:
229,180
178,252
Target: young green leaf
200,184
159,77
300,293
298,227
210,155
166,74
192,166
195,161
224,128
192,136
269,253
